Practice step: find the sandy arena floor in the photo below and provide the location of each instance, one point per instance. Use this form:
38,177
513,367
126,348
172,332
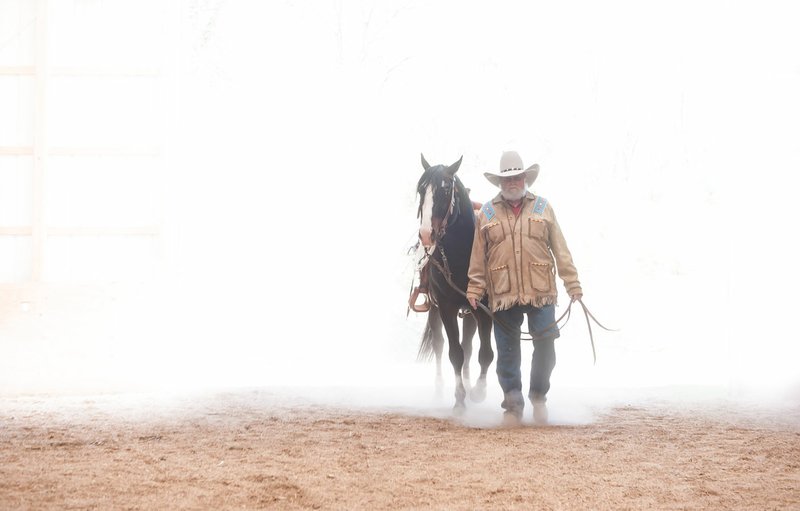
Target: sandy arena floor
256,450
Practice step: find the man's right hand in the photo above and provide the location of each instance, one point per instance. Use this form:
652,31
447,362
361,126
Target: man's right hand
473,303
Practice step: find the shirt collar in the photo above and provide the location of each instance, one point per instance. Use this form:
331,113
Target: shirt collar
499,197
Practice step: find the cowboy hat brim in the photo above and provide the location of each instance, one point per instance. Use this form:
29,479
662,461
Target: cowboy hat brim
531,173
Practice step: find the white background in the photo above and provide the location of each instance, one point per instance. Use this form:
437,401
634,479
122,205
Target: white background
667,135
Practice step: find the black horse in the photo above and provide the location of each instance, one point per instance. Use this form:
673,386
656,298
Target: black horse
447,227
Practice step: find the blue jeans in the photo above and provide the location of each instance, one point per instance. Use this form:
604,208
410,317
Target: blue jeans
509,357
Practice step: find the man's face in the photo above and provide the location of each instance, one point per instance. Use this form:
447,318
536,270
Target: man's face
513,187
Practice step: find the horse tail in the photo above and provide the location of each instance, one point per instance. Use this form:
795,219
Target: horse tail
432,340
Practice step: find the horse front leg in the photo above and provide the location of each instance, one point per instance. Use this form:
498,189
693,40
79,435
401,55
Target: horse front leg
470,326
450,322
485,355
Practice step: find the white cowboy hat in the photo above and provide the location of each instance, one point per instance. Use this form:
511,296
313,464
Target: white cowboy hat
511,165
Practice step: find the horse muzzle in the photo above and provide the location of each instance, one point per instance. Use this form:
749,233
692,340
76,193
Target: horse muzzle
426,237
427,234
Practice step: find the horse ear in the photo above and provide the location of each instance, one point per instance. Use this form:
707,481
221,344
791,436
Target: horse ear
425,164
452,169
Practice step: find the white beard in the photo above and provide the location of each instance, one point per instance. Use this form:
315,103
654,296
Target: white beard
515,194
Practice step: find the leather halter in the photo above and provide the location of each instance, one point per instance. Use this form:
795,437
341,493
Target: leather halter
438,233
443,225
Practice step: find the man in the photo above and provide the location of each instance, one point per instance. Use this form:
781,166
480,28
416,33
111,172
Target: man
517,249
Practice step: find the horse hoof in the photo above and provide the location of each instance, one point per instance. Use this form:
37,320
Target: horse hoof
512,419
459,409
477,394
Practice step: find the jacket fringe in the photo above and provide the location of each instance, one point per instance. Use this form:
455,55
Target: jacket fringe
506,303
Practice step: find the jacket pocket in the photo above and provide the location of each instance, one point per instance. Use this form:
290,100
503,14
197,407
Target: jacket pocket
493,232
541,277
501,280
536,228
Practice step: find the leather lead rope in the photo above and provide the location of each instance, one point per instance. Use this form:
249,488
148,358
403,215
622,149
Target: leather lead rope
446,274
589,324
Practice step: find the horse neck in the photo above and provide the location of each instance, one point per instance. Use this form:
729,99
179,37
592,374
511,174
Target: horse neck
457,240
460,227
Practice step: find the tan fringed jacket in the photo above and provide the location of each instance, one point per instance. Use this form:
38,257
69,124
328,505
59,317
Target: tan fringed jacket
514,259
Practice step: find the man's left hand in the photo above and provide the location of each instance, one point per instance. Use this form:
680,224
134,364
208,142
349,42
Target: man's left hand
576,297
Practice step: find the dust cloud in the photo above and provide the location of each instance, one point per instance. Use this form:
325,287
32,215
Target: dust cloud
291,204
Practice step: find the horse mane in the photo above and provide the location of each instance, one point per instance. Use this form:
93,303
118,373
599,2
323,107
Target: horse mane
463,204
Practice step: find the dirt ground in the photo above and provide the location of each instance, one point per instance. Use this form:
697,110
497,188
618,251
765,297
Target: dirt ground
256,450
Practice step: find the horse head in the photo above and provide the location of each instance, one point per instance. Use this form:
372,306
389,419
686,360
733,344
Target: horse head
438,196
